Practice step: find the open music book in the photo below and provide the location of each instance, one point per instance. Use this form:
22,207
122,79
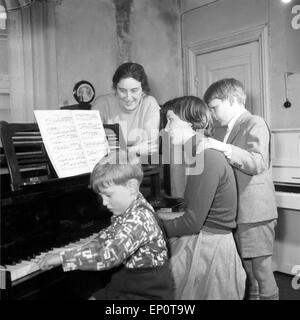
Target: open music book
75,140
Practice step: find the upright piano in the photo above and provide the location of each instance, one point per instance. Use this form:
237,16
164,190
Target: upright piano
41,213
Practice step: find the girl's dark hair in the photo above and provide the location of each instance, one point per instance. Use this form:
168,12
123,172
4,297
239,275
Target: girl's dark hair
193,110
131,70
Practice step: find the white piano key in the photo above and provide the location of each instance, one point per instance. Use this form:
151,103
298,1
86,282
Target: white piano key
26,267
22,269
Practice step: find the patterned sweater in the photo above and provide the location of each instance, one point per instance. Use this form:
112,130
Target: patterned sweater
133,239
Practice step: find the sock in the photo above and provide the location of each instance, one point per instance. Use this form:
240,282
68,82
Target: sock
253,295
272,296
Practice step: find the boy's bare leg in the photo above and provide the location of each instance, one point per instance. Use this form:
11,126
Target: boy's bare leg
252,288
263,273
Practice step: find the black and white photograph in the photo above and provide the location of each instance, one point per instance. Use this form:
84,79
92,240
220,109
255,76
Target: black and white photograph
150,153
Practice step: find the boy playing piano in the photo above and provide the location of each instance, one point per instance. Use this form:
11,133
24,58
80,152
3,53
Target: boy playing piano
134,242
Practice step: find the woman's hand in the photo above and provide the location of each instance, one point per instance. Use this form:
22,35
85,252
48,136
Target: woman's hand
49,261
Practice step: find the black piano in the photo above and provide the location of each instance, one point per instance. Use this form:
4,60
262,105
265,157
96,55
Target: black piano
41,213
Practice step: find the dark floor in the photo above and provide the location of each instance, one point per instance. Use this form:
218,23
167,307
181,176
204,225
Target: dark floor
284,283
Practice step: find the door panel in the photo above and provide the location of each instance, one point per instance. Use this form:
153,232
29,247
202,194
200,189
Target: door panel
240,62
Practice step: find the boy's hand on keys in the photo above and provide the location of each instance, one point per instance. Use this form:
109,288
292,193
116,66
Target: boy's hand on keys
49,261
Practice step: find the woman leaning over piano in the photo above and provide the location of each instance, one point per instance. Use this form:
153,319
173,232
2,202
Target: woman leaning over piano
133,108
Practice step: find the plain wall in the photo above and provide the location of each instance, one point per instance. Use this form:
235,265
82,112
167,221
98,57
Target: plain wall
226,16
90,46
221,17
285,57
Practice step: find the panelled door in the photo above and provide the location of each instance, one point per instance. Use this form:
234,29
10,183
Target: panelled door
241,62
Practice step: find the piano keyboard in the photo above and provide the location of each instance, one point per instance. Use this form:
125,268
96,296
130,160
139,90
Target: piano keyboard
27,267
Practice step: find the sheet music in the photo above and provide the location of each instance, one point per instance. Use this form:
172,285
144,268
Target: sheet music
74,139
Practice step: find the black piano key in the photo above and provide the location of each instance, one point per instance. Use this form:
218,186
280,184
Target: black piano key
10,261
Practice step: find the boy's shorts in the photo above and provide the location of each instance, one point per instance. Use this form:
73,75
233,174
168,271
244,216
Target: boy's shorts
255,239
153,283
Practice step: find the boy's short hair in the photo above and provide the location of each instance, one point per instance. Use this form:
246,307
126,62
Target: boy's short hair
118,167
226,89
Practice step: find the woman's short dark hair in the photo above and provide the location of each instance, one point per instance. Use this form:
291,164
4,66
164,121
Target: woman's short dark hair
193,110
131,70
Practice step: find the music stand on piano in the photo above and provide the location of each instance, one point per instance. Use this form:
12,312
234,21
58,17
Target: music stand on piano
25,153
117,141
